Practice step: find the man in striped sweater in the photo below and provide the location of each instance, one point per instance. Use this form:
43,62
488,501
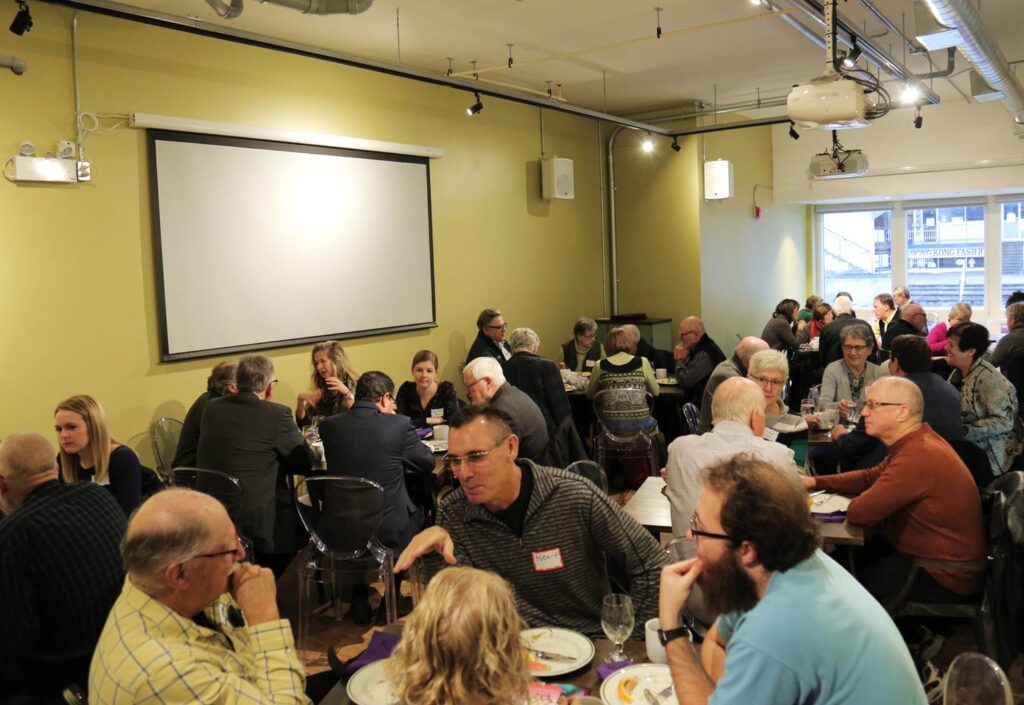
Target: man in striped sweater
557,538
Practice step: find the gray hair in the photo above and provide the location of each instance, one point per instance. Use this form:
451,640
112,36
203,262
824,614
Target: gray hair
255,373
147,554
856,330
221,376
1014,311
735,400
843,306
901,291
523,339
766,361
480,367
584,325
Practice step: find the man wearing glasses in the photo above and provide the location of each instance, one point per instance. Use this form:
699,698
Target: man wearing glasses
374,442
193,622
490,337
912,321
552,534
696,355
486,385
794,626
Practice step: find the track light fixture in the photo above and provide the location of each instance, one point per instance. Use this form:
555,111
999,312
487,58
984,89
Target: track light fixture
918,120
475,107
647,145
792,130
23,20
850,60
675,144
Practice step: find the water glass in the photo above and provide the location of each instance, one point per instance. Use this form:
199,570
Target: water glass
807,407
853,414
617,620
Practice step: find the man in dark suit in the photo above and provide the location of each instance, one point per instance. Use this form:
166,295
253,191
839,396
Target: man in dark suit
374,442
486,385
830,345
912,321
257,441
537,377
220,382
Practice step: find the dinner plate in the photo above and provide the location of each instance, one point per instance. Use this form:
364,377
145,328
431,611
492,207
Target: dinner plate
559,641
669,381
655,677
436,446
370,685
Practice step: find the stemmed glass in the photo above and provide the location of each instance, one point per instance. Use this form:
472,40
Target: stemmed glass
617,620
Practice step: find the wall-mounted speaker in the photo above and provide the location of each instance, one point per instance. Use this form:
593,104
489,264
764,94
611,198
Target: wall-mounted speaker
717,179
556,178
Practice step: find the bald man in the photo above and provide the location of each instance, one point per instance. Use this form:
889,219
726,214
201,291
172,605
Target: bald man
696,355
735,366
912,321
193,622
60,571
924,494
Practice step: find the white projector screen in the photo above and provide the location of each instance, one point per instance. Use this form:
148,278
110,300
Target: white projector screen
263,244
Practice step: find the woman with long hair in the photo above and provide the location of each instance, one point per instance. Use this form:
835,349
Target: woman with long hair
420,398
781,331
88,453
461,645
332,384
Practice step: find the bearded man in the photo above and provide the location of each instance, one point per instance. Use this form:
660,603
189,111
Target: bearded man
793,625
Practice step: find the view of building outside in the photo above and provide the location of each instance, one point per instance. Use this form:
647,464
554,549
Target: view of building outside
1012,243
946,255
856,254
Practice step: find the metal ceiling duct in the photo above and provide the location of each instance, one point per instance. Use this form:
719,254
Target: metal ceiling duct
307,7
982,51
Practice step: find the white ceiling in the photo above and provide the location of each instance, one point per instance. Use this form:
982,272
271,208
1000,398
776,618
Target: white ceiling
604,53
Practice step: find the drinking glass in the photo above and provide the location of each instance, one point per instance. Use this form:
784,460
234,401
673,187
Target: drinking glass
617,620
807,407
853,414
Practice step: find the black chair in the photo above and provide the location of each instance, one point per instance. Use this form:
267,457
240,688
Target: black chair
221,486
625,417
976,461
590,470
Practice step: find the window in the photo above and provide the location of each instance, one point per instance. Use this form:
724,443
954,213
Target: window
1011,245
856,248
945,255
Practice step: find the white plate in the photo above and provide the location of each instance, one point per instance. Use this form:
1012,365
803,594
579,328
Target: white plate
653,676
559,641
436,446
370,685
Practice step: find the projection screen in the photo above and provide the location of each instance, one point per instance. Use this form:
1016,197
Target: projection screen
262,244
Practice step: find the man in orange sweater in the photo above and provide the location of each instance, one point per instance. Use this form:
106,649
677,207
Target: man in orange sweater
924,493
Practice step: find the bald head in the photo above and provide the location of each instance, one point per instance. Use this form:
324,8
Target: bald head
914,315
901,391
736,399
27,459
748,346
692,323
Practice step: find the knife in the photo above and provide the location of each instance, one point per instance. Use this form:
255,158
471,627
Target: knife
651,698
549,656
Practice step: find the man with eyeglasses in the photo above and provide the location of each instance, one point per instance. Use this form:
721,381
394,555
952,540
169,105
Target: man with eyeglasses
925,495
60,571
696,355
912,321
490,337
486,385
374,442
794,627
553,535
193,622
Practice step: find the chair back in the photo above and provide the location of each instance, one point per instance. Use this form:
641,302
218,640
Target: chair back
221,486
341,514
976,461
163,435
692,416
974,678
590,470
624,412
1002,610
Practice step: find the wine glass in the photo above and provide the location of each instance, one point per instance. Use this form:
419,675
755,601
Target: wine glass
617,620
853,414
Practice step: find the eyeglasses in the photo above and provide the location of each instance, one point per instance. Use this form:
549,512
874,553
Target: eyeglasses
503,326
872,404
683,334
388,398
765,382
218,554
854,348
695,532
454,462
470,385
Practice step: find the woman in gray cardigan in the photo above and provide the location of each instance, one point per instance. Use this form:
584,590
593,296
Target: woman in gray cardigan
845,381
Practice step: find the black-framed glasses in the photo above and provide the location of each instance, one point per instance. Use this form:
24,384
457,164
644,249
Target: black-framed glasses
218,554
854,348
470,385
695,532
503,326
872,404
454,462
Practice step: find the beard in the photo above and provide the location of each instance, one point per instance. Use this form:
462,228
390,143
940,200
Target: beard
727,587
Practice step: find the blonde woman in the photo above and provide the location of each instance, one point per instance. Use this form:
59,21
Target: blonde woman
87,452
332,384
461,645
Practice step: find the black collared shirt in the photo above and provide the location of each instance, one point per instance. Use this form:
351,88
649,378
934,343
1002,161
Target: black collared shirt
515,515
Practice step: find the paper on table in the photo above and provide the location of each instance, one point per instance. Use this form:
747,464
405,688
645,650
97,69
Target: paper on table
788,423
829,503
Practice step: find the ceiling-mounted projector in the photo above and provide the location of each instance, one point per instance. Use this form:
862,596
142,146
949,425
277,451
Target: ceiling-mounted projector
828,102
843,165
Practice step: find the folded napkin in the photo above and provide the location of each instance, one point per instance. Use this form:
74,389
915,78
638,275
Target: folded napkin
381,646
830,517
606,669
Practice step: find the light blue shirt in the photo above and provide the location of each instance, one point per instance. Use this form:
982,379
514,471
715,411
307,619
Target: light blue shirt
816,637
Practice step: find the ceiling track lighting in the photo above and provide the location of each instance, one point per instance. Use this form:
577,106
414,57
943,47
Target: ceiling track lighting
476,107
647,145
792,130
23,20
850,60
918,120
675,144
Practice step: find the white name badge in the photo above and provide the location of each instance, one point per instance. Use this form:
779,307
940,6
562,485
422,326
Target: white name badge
588,363
544,561
770,434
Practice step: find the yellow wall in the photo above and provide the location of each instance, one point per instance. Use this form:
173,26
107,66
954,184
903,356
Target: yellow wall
78,307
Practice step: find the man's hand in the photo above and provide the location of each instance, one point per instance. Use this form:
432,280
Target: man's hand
809,482
812,419
837,431
431,539
680,352
255,592
677,581
337,385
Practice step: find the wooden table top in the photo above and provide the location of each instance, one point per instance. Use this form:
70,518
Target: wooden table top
651,508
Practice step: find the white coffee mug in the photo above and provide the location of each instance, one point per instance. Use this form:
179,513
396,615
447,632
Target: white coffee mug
441,432
655,651
661,373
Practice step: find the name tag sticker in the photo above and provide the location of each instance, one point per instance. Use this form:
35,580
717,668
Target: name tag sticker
588,363
544,561
770,434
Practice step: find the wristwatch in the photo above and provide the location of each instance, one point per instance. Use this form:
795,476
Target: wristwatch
666,636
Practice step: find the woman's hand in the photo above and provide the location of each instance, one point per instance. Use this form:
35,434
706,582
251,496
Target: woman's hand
335,384
311,398
800,325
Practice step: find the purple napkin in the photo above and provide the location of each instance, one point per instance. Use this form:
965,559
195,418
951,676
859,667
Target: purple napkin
381,646
830,517
606,669
422,433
